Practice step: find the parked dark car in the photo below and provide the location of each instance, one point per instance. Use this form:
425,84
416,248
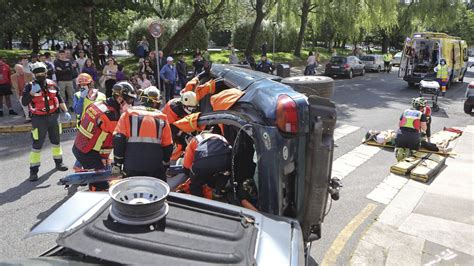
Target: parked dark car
344,66
280,138
469,102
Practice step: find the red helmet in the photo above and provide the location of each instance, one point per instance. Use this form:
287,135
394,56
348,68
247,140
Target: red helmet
84,79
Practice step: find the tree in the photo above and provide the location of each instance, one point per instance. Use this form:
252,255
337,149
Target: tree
201,10
307,6
262,9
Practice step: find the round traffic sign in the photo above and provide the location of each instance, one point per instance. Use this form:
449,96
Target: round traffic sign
155,29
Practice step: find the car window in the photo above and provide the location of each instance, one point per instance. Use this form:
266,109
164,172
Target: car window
367,58
338,60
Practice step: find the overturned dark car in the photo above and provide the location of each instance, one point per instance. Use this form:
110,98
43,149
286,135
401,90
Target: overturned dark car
281,138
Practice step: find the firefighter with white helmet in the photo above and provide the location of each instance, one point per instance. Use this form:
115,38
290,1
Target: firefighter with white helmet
178,108
44,101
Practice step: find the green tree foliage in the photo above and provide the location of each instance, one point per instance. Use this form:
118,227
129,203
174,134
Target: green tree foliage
196,39
284,36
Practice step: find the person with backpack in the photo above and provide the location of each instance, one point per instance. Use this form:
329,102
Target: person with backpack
207,161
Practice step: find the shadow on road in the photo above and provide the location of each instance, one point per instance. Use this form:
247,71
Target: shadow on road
25,187
376,90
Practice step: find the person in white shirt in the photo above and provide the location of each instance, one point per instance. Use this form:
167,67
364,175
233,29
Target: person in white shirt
81,60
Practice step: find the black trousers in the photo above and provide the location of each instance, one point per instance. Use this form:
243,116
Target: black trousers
45,124
169,90
42,125
91,160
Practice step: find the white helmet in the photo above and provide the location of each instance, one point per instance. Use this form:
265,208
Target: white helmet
189,101
38,67
151,94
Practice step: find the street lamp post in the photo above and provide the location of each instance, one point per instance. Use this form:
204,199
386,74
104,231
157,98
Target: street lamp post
274,31
156,30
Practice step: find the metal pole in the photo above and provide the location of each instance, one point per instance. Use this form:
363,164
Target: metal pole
158,84
273,54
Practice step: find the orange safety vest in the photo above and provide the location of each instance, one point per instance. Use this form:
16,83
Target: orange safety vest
173,110
44,98
191,85
90,136
143,124
411,119
205,89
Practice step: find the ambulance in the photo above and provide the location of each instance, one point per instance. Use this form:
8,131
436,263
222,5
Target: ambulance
424,50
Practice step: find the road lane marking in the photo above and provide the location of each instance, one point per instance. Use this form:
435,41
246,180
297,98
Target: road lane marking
330,258
344,165
344,130
387,189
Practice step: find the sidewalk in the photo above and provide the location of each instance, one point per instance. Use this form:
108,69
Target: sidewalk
16,123
427,224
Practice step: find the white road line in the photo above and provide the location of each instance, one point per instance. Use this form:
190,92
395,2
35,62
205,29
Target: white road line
348,162
344,130
387,189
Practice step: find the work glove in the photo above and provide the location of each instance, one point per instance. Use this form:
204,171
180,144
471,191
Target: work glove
84,92
35,88
116,169
67,117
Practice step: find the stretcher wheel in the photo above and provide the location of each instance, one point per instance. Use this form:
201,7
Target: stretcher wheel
435,107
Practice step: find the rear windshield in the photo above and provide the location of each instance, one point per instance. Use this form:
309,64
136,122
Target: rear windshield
367,58
338,60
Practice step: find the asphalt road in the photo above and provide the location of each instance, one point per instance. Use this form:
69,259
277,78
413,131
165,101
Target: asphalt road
374,101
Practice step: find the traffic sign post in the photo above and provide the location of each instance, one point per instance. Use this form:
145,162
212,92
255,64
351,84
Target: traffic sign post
156,30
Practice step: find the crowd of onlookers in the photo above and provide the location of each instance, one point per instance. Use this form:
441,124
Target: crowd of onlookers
63,67
67,62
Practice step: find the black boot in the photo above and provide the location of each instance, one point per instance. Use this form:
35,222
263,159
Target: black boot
11,112
1,113
59,165
34,173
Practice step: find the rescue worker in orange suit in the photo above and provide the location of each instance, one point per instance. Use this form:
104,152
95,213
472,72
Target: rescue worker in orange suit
142,140
207,161
93,143
176,109
44,101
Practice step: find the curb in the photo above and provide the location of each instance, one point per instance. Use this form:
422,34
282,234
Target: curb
27,127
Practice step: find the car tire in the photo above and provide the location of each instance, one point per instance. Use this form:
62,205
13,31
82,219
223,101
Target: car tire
467,108
363,72
379,69
311,85
350,75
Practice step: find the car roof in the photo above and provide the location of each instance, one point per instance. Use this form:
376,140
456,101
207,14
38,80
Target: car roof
240,77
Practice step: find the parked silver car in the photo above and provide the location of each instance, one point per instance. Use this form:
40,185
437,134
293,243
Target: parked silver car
372,62
396,59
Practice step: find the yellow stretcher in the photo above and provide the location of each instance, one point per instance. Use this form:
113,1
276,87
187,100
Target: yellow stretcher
423,164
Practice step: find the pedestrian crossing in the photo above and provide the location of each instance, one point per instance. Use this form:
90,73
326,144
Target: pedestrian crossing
347,163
